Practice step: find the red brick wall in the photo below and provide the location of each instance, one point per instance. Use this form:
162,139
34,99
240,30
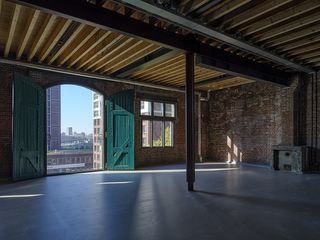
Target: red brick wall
156,155
6,76
254,116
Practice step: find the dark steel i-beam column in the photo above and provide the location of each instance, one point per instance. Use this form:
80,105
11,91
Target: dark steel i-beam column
190,123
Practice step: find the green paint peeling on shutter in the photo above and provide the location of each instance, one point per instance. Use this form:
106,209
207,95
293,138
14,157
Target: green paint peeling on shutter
120,131
28,129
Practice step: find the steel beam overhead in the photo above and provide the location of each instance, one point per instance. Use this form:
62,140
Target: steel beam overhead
252,71
190,120
146,62
87,13
214,80
199,28
88,75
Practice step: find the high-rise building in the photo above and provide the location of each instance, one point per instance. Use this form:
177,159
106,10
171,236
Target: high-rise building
98,129
69,131
54,118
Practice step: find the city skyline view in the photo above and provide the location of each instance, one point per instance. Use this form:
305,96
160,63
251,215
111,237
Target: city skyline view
77,102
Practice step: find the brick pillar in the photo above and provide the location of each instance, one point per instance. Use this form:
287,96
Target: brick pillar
6,77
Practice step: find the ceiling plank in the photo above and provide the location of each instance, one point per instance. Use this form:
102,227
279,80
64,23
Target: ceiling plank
114,40
14,21
76,45
278,18
54,38
284,29
315,29
127,49
85,12
91,44
225,9
42,33
256,12
28,31
133,57
146,62
67,43
1,2
124,41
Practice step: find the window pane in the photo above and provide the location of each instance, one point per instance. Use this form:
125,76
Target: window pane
168,133
170,110
146,133
158,109
157,132
145,108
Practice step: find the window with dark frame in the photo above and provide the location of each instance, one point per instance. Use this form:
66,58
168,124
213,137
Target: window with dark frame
157,123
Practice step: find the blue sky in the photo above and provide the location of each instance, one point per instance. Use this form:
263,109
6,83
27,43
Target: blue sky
76,108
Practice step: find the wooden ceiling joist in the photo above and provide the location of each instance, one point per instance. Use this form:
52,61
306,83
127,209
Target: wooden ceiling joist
280,17
139,53
75,46
256,12
123,42
28,32
41,35
61,27
14,22
225,9
304,22
112,39
67,43
90,45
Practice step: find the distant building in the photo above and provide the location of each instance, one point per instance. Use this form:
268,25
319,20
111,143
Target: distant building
69,161
97,130
69,131
54,118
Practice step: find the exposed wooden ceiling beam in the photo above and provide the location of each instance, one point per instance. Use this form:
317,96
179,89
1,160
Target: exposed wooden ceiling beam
28,31
105,59
299,44
203,8
41,35
288,27
146,62
91,44
224,10
256,12
85,12
1,2
67,43
139,53
17,9
293,36
76,45
192,5
127,49
54,38
113,40
281,17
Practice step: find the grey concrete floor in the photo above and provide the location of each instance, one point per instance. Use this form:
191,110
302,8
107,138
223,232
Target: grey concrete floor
229,203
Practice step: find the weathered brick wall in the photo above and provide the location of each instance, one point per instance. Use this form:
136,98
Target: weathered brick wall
246,121
312,132
6,76
156,155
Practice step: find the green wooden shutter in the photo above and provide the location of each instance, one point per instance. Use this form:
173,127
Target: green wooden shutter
120,131
28,129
